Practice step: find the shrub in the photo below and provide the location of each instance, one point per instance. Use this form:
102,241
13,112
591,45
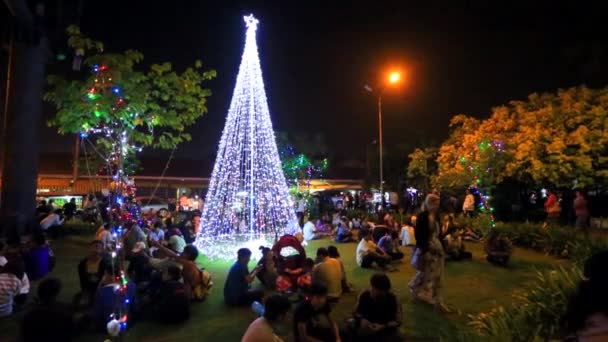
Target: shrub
537,312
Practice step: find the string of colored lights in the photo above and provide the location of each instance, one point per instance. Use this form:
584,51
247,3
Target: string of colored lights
109,122
487,151
248,198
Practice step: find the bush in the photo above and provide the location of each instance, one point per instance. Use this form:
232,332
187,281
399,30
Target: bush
535,315
537,312
557,241
78,227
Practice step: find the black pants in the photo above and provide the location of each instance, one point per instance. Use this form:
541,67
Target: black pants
249,297
369,259
386,335
396,255
498,260
55,231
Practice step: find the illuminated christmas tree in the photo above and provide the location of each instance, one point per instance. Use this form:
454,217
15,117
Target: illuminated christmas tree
248,197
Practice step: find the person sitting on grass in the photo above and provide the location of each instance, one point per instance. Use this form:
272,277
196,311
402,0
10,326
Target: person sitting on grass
37,258
268,271
368,253
378,313
108,295
133,235
198,282
176,241
48,320
343,233
90,271
329,273
52,224
307,318
237,289
173,298
498,249
12,277
390,245
261,330
104,234
310,231
333,253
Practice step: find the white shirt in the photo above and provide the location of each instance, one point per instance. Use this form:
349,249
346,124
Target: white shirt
309,229
301,206
362,249
51,220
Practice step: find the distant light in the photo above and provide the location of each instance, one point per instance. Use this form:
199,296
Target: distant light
394,77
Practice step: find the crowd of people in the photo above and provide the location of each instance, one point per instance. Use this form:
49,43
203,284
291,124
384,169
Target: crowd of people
163,280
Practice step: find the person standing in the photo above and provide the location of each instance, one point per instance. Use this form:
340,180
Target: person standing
428,257
553,209
468,207
581,211
184,202
69,209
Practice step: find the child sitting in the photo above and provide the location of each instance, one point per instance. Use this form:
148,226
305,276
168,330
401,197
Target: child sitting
268,271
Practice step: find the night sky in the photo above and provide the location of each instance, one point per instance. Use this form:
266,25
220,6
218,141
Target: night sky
459,57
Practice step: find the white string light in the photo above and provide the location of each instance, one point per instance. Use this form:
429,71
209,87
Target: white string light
248,200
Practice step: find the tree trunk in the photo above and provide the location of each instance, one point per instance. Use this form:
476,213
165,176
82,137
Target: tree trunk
21,144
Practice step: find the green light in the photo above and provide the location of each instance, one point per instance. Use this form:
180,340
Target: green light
97,113
92,96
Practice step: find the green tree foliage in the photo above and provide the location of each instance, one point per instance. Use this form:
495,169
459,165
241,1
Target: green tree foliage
556,139
152,107
305,159
422,166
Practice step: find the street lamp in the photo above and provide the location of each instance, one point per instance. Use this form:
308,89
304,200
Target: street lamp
393,78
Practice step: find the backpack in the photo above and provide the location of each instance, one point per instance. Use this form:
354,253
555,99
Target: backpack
202,289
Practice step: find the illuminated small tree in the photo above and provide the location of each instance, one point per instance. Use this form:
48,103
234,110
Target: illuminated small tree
247,194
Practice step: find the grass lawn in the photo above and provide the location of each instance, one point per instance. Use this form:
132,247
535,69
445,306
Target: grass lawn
469,288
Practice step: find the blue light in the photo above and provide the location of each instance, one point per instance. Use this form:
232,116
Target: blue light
127,301
83,135
116,90
119,200
96,68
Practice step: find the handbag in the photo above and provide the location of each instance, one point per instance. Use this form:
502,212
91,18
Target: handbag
202,290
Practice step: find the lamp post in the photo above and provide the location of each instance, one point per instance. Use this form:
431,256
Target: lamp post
393,78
